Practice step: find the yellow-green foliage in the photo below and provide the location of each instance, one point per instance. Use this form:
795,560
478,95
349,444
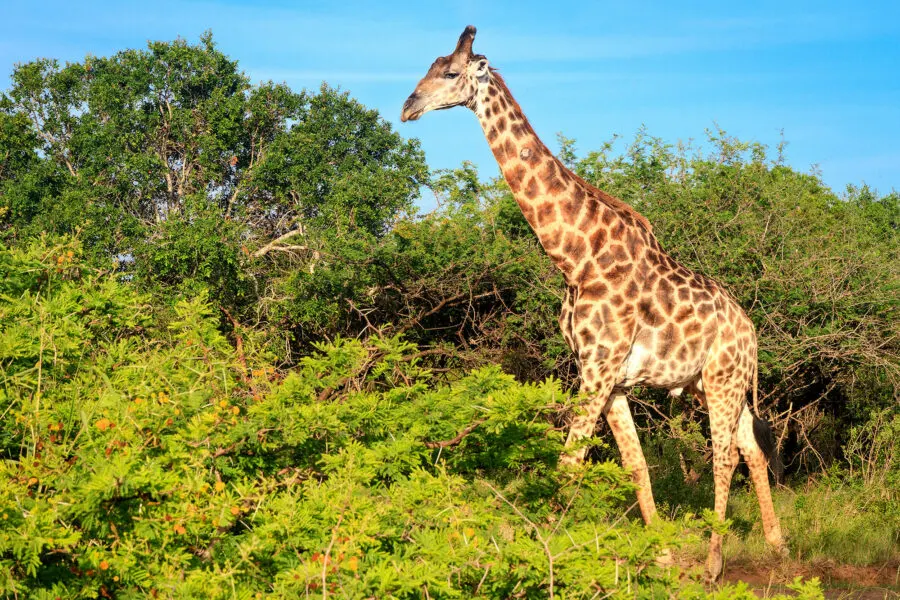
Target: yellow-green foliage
146,454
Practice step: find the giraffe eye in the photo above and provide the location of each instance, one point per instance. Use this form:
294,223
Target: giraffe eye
451,75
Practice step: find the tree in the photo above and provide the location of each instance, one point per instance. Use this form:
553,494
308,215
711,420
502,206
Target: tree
169,159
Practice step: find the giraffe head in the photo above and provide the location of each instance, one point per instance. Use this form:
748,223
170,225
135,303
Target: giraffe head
452,80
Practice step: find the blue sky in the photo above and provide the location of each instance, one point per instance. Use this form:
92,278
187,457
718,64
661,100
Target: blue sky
827,73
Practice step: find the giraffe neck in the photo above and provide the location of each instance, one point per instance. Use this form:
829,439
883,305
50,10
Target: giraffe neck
529,167
552,198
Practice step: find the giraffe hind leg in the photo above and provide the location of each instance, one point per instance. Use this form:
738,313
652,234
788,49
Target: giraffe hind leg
753,443
723,417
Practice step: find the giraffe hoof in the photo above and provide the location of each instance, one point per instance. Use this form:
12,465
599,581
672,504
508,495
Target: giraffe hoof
710,578
713,571
665,559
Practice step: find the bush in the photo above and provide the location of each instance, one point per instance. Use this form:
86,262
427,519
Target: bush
144,454
872,450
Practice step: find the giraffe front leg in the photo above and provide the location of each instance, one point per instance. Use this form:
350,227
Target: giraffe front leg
618,415
565,318
583,424
597,382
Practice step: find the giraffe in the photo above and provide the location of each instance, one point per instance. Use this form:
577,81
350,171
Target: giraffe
632,314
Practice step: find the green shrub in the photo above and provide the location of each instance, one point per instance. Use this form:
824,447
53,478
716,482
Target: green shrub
144,454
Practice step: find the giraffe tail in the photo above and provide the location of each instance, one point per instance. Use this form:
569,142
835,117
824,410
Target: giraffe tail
762,432
765,439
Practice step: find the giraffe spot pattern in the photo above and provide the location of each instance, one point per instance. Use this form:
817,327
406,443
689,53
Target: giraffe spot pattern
624,288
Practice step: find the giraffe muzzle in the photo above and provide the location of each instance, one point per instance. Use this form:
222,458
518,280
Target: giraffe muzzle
412,108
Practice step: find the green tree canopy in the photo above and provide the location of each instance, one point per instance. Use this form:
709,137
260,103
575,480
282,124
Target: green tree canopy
169,156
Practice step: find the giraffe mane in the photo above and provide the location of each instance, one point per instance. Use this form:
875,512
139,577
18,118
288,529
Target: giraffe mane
599,195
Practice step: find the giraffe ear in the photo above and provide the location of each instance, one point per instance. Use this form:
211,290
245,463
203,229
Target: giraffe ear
481,68
464,45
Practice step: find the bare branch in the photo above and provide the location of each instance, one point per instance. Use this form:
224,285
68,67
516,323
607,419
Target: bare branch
459,437
274,244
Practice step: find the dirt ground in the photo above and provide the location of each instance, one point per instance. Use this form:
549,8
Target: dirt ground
840,582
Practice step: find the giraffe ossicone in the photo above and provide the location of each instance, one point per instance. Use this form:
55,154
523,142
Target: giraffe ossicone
632,314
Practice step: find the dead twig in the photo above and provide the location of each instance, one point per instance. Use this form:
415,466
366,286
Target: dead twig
238,344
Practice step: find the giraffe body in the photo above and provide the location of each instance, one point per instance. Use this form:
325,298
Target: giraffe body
632,314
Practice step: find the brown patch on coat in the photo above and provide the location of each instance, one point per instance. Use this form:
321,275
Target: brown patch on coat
665,293
514,177
582,312
509,148
705,310
597,239
647,313
546,214
587,337
531,188
632,291
667,341
588,272
617,274
570,209
551,240
683,314
594,291
618,253
574,247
